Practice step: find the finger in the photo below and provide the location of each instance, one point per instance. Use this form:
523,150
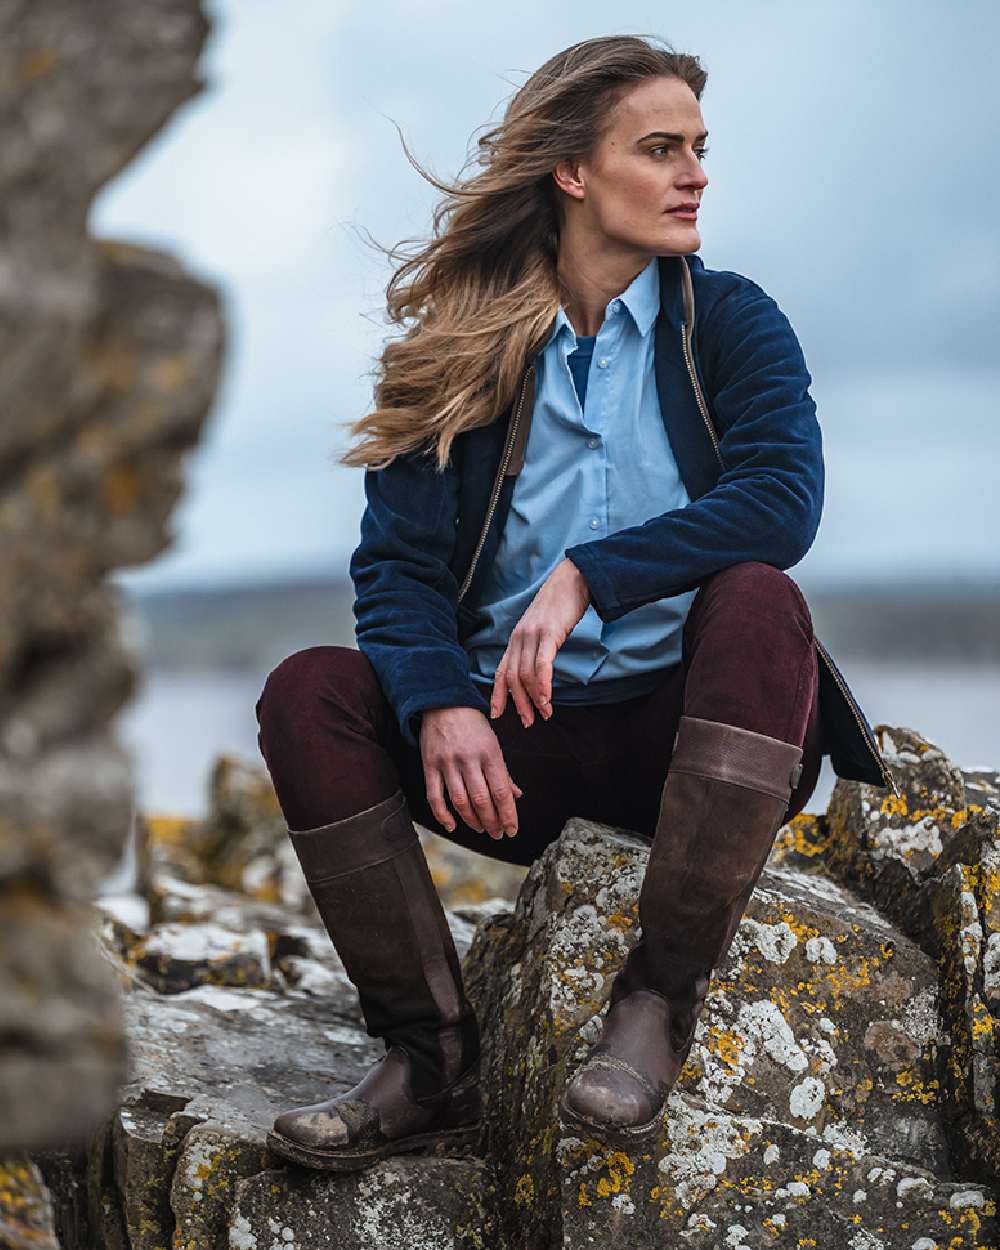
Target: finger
460,798
501,787
481,799
498,699
544,657
434,786
521,664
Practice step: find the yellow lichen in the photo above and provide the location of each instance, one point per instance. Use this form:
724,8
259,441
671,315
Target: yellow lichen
524,1190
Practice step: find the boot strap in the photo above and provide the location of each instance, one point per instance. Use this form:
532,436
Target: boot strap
720,752
360,841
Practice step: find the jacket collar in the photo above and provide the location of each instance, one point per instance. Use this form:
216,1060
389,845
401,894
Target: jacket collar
677,290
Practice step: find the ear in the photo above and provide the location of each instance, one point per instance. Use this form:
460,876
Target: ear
567,178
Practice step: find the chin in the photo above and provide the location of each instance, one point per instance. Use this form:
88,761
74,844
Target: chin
683,239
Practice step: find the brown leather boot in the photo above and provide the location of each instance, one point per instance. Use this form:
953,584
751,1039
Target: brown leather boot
724,800
369,877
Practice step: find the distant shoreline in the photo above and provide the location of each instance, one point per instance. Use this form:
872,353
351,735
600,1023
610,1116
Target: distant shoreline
247,625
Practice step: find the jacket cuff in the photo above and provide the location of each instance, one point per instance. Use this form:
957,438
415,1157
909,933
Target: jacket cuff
441,696
602,591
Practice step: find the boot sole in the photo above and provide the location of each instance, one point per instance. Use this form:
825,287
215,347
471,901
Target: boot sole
353,1160
613,1134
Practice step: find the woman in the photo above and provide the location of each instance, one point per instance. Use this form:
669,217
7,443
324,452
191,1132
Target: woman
590,462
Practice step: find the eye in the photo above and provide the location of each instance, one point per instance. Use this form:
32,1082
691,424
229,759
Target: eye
699,152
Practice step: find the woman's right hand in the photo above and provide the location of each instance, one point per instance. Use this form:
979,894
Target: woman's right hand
461,752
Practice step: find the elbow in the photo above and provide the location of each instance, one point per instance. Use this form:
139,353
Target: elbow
800,532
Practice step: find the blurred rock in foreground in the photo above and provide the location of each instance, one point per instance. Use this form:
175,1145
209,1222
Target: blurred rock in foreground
109,359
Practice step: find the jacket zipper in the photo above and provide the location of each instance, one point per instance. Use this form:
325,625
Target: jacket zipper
504,461
699,398
703,409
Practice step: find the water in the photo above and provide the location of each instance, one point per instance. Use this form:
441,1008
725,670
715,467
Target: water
181,720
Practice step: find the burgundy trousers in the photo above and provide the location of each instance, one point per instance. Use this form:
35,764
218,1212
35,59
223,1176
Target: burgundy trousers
333,746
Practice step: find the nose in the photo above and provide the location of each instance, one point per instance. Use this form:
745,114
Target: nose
695,177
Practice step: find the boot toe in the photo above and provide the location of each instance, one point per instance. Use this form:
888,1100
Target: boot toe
602,1094
326,1126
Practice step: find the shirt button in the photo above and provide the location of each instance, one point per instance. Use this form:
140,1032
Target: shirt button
594,523
602,363
591,442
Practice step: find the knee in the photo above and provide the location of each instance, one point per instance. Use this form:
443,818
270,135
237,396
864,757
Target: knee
302,680
756,587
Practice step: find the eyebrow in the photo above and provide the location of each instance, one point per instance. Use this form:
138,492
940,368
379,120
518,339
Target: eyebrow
664,134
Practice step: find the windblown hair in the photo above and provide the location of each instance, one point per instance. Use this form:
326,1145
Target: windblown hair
481,296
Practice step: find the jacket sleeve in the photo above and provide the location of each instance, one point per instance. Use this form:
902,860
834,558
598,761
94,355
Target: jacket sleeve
406,596
767,501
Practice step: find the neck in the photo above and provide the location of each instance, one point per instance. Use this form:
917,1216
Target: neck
591,276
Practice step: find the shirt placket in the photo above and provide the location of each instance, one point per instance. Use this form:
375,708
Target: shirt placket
600,410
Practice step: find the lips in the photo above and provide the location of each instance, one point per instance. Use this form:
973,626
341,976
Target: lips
683,208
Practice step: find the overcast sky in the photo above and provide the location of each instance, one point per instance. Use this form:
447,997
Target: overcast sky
853,174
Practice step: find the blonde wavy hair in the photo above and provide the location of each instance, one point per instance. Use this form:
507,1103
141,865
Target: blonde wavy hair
478,300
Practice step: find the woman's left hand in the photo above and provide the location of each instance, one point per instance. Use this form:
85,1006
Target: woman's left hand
525,668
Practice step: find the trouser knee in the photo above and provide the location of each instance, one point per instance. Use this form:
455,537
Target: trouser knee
316,680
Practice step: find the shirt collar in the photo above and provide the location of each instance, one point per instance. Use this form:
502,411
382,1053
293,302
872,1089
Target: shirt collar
641,297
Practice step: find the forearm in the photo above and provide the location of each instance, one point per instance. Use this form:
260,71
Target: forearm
676,551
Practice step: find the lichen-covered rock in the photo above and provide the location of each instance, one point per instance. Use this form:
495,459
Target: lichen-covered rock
433,1204
110,359
26,1217
930,860
219,937
816,1062
802,843
886,843
175,957
212,1161
241,845
210,1068
840,1090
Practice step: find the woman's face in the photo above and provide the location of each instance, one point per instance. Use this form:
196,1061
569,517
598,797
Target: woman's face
647,164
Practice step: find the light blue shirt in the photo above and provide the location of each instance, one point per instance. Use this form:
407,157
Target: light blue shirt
591,468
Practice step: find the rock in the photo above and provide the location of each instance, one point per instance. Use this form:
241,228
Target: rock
26,1217
177,957
814,1074
207,1081
465,879
435,1202
930,860
840,1091
802,843
61,1034
111,357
